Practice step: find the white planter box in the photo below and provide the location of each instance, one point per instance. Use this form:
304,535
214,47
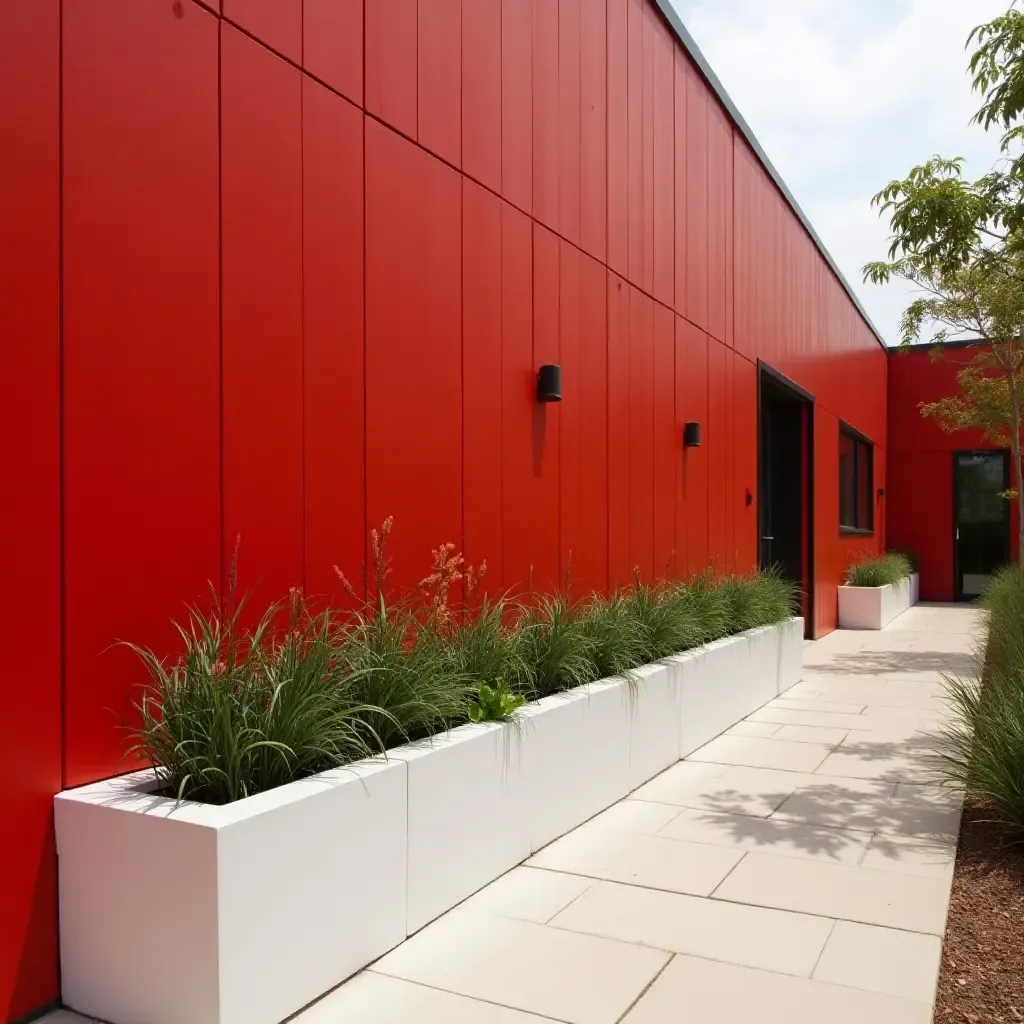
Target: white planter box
654,721
575,756
722,683
791,660
195,914
468,815
876,607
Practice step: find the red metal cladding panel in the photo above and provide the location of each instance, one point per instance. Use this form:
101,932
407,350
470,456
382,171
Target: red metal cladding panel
482,442
695,251
261,168
920,481
594,129
634,138
569,168
545,435
481,92
546,145
413,350
618,135
691,381
641,434
719,201
732,497
745,235
30,724
332,306
140,158
570,413
718,441
619,566
275,23
664,164
681,75
391,42
518,399
650,20
517,102
666,444
829,550
332,44
439,67
746,445
592,562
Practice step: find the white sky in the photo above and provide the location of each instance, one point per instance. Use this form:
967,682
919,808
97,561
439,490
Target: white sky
843,96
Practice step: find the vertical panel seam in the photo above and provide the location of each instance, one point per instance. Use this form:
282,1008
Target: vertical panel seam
61,453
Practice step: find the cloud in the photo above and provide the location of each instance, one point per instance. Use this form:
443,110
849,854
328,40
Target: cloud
844,96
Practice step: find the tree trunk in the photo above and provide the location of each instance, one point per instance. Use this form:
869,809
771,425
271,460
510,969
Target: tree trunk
1018,482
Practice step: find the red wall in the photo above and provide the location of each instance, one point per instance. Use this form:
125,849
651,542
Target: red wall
294,285
920,491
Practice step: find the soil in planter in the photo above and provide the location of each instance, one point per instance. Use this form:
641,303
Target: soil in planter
982,975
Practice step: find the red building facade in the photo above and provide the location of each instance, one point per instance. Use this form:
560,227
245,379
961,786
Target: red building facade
921,499
279,269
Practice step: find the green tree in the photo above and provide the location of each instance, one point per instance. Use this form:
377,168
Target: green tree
961,244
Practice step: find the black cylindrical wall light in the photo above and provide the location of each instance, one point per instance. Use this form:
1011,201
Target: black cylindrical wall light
691,435
549,384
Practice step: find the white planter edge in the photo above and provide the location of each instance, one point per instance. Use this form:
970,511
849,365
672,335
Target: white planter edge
385,845
876,607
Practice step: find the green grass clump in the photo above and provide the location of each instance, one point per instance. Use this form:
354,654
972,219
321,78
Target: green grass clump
243,711
758,600
557,649
617,639
878,572
983,750
666,623
708,605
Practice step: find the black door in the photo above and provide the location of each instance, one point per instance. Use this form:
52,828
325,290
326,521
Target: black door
784,484
981,541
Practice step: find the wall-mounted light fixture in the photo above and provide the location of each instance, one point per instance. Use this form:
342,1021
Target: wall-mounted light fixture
881,492
748,497
691,435
549,384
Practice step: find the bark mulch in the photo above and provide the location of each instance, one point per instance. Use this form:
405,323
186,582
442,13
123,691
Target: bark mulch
982,975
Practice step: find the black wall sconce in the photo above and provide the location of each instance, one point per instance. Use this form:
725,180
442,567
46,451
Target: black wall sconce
881,492
549,384
691,435
748,497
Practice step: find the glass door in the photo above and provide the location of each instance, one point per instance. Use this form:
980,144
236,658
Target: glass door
981,520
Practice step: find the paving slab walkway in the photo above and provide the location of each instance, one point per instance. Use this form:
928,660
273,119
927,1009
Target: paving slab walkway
797,869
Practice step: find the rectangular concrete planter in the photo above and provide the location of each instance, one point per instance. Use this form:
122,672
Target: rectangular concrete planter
654,721
722,683
575,750
261,906
195,914
876,607
468,815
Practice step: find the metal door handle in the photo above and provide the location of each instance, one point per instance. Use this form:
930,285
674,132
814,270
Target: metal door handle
767,538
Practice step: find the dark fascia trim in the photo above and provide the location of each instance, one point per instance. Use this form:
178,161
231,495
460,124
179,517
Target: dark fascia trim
769,371
845,428
689,44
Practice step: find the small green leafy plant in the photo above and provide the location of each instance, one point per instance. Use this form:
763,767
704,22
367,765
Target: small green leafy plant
878,572
497,703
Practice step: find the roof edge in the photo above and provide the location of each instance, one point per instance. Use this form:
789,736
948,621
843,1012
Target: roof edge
671,15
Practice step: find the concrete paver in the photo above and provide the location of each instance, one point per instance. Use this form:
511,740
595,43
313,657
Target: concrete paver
794,870
902,964
698,991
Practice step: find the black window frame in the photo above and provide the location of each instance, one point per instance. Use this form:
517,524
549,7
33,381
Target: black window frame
861,444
